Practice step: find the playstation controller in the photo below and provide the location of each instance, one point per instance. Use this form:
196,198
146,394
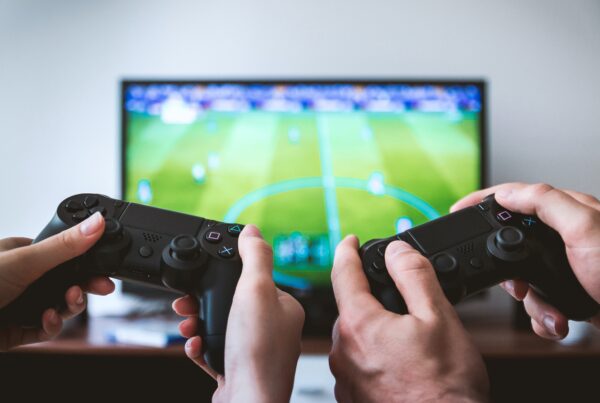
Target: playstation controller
480,246
165,249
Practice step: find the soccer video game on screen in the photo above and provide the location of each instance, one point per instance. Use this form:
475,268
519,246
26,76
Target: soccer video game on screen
307,163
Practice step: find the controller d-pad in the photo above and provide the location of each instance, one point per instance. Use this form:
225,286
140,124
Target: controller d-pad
90,201
73,206
80,215
98,209
378,266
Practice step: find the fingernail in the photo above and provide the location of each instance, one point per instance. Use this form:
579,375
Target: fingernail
509,286
188,348
80,298
504,193
399,247
91,225
550,324
252,230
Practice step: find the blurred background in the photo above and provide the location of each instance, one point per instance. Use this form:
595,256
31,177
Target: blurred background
61,63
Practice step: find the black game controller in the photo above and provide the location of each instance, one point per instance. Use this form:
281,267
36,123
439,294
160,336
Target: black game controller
162,248
480,246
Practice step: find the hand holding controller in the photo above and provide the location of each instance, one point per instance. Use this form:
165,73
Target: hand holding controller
162,248
480,246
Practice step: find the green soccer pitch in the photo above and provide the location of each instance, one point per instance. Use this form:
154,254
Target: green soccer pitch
319,174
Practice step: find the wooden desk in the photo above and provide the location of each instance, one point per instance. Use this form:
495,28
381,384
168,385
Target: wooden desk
81,363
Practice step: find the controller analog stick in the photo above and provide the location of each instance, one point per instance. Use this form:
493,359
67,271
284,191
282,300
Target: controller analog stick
113,230
509,239
184,247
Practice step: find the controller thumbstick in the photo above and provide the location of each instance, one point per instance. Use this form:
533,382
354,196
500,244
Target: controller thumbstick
113,230
184,247
509,239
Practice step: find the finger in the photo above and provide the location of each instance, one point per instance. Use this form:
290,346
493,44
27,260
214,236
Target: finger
584,198
350,285
476,197
13,243
415,279
256,254
516,288
189,327
75,302
555,323
51,326
193,349
541,331
99,286
186,306
27,264
576,222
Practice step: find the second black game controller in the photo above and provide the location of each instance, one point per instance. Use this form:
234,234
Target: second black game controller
480,246
188,254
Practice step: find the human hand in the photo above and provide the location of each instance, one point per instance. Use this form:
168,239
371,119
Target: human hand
263,331
380,356
22,263
576,217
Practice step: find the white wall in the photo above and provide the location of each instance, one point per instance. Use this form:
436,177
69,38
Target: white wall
60,62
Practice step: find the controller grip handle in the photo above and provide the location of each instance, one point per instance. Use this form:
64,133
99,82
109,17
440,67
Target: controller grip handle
46,292
215,302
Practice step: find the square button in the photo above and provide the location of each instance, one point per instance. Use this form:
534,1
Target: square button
213,237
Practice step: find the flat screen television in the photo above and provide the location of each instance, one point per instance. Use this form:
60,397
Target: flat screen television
307,161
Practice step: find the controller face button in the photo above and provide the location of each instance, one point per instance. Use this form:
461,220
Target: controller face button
528,222
213,237
509,239
226,252
98,209
234,230
503,216
80,215
184,247
73,206
90,201
446,266
381,250
145,251
476,263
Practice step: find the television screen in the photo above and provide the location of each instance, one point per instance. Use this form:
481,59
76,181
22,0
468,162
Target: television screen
308,162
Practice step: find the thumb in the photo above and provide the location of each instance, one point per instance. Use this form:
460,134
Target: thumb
24,265
256,254
416,280
576,222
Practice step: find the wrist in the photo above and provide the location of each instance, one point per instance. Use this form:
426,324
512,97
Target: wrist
254,389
